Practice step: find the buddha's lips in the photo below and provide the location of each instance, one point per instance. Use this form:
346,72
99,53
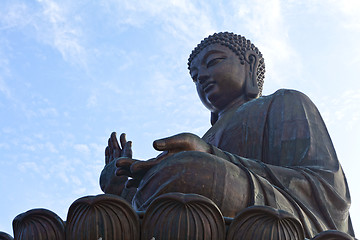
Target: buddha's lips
208,85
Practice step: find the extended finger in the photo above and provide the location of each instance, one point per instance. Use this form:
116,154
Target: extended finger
179,141
139,168
115,145
122,172
123,140
110,145
107,155
124,162
110,150
127,150
114,141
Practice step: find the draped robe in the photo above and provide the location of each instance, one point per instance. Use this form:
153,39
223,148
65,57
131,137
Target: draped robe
281,143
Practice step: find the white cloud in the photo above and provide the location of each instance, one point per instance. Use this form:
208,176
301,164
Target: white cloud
29,147
92,100
4,70
345,11
265,21
76,181
4,88
183,20
52,24
51,147
97,148
56,28
48,112
4,146
344,108
8,130
15,15
79,191
26,167
63,175
161,88
82,148
350,9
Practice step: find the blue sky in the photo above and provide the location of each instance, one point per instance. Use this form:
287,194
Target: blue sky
71,72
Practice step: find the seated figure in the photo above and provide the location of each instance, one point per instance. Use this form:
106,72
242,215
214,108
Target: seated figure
261,150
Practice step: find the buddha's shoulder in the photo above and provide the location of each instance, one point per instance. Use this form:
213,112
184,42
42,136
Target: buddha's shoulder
280,97
287,92
286,95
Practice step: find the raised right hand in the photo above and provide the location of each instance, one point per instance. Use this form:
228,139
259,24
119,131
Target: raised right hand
114,150
110,182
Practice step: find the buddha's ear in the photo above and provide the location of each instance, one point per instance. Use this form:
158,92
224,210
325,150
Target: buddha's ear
252,61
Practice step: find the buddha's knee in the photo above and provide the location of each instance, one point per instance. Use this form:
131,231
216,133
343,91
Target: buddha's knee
195,172
182,169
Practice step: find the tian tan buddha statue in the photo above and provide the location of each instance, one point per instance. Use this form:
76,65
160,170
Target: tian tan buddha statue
261,150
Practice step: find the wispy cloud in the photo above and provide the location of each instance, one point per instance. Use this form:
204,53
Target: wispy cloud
48,112
265,22
32,166
344,108
183,20
49,22
57,27
15,15
4,70
4,88
350,10
33,145
82,149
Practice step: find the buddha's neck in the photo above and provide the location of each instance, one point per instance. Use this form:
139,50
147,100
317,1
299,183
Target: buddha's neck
233,105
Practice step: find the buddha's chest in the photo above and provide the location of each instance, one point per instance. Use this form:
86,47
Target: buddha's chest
240,133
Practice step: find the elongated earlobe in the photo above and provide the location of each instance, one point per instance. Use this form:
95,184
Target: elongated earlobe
252,89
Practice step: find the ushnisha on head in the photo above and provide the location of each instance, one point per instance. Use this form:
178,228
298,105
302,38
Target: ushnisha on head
240,46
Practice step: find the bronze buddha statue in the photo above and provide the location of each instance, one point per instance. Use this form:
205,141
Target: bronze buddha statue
261,150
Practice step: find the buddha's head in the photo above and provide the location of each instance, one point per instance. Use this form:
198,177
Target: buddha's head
226,67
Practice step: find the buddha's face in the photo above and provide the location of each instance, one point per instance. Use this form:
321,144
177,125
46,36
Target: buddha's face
219,76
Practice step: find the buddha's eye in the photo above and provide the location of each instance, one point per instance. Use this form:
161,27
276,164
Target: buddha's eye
214,61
